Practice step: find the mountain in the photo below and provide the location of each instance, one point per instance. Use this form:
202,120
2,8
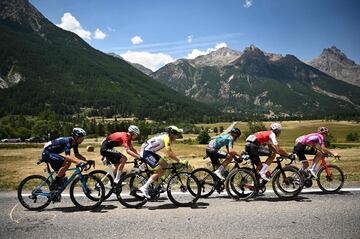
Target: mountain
140,67
335,63
263,83
45,67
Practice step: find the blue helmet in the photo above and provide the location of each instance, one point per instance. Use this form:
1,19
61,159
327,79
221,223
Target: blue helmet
78,132
235,131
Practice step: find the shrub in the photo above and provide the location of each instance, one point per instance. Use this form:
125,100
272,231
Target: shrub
352,137
203,137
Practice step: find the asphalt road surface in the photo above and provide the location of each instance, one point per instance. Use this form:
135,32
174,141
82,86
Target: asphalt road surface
311,215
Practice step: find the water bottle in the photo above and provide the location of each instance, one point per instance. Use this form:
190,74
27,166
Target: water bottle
225,173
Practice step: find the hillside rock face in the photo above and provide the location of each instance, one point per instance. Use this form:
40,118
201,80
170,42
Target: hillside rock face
43,66
335,63
254,81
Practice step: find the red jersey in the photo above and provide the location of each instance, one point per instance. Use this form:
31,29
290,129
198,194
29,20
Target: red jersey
263,137
119,139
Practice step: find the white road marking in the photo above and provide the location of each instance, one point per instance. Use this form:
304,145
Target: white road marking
32,215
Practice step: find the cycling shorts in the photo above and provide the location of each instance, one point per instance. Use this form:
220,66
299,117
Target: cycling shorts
215,155
112,155
150,158
302,149
256,150
55,160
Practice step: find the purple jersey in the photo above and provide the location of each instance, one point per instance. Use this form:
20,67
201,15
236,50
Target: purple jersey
311,139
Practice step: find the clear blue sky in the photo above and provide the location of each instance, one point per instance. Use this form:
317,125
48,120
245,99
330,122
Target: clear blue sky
176,27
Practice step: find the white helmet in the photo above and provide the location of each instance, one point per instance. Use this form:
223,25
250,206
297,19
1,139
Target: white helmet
276,127
134,129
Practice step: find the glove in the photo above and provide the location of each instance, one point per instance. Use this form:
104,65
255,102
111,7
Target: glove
185,162
91,163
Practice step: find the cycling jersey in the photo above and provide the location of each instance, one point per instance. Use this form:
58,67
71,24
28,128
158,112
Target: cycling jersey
263,137
60,145
157,143
311,139
118,139
220,141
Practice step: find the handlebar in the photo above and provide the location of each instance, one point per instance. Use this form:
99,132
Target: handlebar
86,166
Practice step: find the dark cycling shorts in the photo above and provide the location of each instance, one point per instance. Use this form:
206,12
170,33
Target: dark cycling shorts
302,149
151,159
111,154
215,156
255,150
56,161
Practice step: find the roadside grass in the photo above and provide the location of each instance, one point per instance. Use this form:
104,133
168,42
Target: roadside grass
18,161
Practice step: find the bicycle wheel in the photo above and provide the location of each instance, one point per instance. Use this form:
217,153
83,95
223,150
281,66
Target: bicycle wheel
34,193
87,193
206,181
287,183
178,189
333,182
127,190
106,179
243,183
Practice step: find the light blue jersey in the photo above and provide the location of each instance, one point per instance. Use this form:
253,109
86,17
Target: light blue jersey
220,141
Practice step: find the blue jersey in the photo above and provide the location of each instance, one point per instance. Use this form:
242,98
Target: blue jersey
60,145
220,141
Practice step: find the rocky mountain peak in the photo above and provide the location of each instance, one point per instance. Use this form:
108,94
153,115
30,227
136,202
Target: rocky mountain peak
220,57
335,53
23,13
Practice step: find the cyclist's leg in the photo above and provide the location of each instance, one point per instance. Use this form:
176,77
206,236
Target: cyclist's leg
315,160
59,164
299,149
117,159
263,151
215,156
153,160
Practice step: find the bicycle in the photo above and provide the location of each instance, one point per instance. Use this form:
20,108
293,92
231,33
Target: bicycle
330,178
209,182
246,182
86,191
178,186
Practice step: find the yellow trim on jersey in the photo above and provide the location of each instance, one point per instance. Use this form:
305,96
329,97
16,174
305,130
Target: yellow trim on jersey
167,142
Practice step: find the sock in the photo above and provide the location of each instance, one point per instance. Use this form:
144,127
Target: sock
313,167
220,169
118,175
148,182
263,169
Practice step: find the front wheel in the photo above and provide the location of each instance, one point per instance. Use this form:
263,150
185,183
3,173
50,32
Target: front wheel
87,192
206,181
287,182
179,187
330,182
34,192
106,179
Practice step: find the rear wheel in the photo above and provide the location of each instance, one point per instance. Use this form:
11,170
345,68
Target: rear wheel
178,189
127,190
106,179
87,193
287,183
206,182
332,182
34,193
243,183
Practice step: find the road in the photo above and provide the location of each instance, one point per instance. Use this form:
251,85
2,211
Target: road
312,215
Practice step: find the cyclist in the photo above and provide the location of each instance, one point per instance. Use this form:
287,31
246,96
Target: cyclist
213,150
60,163
148,153
307,144
116,158
255,147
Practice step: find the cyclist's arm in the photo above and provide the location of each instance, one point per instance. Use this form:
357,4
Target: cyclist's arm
172,155
277,149
325,151
81,157
132,151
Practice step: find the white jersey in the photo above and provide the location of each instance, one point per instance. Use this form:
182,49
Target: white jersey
156,143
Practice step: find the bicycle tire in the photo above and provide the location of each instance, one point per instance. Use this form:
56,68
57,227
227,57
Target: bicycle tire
93,184
127,190
205,177
105,178
321,182
238,181
21,189
294,179
177,184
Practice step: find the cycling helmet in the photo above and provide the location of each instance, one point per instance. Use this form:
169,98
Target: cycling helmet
173,130
235,131
134,129
276,127
323,130
78,132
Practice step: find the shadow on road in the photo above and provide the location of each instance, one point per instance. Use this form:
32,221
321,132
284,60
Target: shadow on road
326,193
99,209
297,199
199,205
